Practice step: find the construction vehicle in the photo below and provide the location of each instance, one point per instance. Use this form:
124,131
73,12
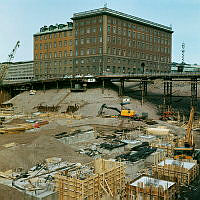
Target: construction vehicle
4,67
187,150
124,112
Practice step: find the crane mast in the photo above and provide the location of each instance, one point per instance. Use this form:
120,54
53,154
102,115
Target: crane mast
5,67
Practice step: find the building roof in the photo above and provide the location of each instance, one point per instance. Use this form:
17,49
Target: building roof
108,11
187,165
152,181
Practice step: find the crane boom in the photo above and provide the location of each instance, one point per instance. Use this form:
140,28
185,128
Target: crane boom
5,67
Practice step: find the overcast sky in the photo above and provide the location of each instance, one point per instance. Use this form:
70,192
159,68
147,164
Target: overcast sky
20,19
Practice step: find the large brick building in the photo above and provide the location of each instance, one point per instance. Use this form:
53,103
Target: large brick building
104,41
111,41
53,51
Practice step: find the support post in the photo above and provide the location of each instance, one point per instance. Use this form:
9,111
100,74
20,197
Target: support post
194,92
103,86
44,88
167,98
143,87
121,88
57,85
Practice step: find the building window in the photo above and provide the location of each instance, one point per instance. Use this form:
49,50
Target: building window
94,51
65,43
76,42
55,35
60,54
108,28
88,51
41,56
70,43
82,40
55,54
76,53
55,44
40,46
65,53
82,52
100,28
100,50
114,29
100,39
50,45
65,34
60,43
50,55
88,40
88,30
129,33
94,30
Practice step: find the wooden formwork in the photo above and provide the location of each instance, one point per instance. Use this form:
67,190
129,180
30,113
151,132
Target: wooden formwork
176,173
108,179
142,191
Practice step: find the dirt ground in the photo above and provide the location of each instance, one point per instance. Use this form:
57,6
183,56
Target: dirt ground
32,147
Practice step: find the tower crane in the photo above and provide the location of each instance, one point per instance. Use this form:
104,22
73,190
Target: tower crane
5,66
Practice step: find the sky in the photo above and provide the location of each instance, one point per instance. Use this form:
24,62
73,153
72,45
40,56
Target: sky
20,19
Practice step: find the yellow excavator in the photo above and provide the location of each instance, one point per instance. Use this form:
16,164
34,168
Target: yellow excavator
187,151
123,112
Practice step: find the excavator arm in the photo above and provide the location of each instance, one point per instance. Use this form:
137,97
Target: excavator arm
107,107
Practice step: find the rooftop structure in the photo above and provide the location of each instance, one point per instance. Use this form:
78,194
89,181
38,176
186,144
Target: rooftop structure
55,28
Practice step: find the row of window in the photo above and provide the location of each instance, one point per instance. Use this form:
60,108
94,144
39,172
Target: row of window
143,37
88,21
146,46
53,45
88,30
142,55
114,21
54,70
50,55
89,40
54,35
54,63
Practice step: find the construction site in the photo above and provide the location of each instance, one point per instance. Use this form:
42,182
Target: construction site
61,144
100,138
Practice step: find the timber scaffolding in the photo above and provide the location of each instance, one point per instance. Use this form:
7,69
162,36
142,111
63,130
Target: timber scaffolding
146,188
182,172
107,180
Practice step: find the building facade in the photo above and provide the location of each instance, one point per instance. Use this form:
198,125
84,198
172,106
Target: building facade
102,41
108,41
19,72
53,51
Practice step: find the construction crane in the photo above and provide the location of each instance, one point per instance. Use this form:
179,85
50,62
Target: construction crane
186,151
5,66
